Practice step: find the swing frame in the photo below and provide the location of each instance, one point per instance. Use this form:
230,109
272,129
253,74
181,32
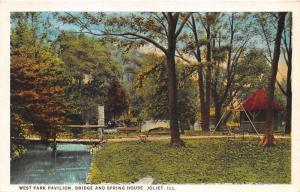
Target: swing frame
239,108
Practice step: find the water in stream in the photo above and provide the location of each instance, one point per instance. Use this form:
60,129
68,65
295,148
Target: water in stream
38,165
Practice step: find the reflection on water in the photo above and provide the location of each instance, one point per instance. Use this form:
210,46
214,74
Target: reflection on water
38,165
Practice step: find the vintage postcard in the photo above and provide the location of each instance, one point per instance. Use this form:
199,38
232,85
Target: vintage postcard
149,96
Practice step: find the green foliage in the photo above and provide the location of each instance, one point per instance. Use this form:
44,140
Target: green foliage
246,67
89,66
151,87
117,100
36,78
279,96
201,161
252,71
187,100
16,132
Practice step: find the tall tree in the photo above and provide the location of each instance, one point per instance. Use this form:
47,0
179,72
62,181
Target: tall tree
231,49
209,20
225,42
35,88
197,54
267,23
159,29
268,139
204,66
287,53
235,59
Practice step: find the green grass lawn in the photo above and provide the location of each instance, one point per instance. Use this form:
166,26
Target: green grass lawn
201,161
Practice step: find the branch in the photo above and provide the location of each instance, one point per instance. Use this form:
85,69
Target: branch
165,16
182,57
135,35
183,23
158,19
281,88
188,74
288,48
189,24
239,52
267,41
149,40
194,29
267,58
284,56
229,75
235,61
285,40
125,35
203,24
78,21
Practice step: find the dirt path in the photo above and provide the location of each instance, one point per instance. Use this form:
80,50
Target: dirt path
152,138
158,138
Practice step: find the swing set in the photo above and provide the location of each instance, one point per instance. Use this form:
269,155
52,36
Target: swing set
234,107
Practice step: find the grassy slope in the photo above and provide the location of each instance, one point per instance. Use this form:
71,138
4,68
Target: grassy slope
201,161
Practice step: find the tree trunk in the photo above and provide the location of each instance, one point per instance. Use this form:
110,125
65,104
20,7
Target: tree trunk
289,102
206,119
207,83
200,73
268,139
201,92
289,88
172,89
214,92
218,111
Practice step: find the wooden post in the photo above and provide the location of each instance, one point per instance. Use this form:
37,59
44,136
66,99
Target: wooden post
100,134
101,115
101,123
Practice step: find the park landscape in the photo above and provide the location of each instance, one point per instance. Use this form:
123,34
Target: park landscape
177,97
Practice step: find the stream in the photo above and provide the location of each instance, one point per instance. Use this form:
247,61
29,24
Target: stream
39,165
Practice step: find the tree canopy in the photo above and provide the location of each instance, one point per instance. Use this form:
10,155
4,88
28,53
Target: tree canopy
89,65
36,82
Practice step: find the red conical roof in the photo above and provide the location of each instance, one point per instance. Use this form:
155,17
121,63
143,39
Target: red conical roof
259,101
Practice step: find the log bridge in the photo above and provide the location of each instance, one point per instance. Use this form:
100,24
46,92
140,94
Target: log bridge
75,141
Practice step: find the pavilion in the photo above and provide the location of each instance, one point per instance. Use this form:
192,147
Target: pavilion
256,107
